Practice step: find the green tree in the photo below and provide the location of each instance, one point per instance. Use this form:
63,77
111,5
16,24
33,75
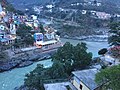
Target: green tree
25,33
23,30
65,56
24,27
28,39
82,58
18,43
114,38
109,77
73,57
64,53
42,30
34,80
66,59
57,71
40,75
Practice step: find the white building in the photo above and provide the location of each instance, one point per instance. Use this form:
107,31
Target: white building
99,4
103,15
84,11
34,17
12,29
49,6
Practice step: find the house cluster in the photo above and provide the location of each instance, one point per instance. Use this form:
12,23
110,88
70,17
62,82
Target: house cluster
9,23
47,8
94,14
87,2
101,15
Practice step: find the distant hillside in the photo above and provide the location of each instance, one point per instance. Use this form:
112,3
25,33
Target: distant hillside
19,2
107,5
7,5
22,4
117,2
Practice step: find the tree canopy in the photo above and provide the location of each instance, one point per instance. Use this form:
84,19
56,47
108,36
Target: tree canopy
35,78
75,57
41,75
110,77
23,30
65,60
114,38
25,33
42,30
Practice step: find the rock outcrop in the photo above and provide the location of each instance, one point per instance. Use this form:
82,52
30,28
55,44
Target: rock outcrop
23,59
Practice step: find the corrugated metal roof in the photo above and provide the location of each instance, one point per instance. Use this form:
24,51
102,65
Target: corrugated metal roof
87,77
56,86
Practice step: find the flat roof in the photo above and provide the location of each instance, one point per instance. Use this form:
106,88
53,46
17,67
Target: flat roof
47,42
87,77
56,86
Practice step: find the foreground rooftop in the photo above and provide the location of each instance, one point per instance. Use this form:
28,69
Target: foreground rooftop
59,86
87,77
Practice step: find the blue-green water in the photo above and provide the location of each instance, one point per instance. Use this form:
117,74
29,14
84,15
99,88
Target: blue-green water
92,46
11,79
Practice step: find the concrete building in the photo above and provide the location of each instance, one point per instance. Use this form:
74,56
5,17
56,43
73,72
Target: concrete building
84,79
12,29
59,86
103,15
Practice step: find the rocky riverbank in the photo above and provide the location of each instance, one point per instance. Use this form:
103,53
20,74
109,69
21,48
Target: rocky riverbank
93,38
22,59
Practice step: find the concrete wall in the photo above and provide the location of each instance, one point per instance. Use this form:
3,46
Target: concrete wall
77,85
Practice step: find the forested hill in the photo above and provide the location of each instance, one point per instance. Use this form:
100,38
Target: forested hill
117,2
7,5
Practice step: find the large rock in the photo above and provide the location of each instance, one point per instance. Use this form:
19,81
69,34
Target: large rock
24,59
34,58
8,65
26,63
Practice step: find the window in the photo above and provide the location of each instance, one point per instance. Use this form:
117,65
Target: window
81,86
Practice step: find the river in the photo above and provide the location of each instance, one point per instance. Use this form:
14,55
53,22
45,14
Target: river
11,79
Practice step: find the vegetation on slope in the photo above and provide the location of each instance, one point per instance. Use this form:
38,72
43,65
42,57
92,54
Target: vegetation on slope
109,77
65,60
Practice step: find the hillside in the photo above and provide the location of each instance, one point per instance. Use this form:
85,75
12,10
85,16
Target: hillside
110,6
7,5
71,21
